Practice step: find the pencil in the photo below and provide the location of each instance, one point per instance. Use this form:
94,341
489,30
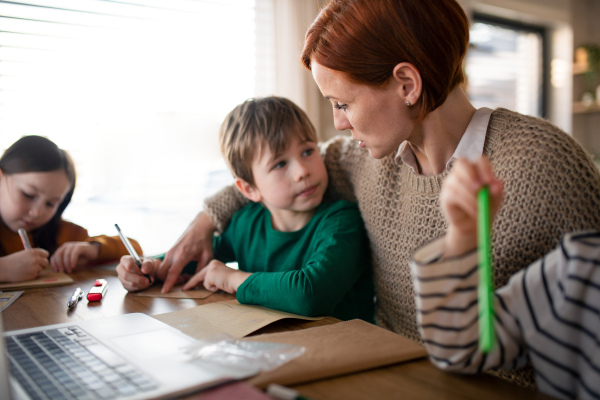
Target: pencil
24,238
486,286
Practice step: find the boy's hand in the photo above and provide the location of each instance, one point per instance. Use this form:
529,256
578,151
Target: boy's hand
132,277
195,244
23,265
218,276
459,202
74,254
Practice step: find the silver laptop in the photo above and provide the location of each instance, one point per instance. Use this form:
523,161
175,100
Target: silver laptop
131,356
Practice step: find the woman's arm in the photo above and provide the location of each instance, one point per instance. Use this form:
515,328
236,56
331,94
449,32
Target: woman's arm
221,206
195,244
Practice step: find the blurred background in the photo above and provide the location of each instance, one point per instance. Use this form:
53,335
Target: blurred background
135,90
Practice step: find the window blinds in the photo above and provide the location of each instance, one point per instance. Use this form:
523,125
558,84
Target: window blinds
135,90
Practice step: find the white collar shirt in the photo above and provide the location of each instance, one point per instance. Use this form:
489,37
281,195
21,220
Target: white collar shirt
469,147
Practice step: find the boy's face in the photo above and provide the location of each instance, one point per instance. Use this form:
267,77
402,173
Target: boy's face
290,184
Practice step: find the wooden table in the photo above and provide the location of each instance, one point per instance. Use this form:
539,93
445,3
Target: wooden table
413,380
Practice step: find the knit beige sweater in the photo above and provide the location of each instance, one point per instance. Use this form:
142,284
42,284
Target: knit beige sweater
551,187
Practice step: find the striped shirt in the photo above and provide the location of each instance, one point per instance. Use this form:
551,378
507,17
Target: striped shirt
548,313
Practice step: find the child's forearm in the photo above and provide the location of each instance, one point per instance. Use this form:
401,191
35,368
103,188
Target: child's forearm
447,313
236,278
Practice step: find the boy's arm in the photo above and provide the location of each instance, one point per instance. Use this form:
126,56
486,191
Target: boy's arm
340,259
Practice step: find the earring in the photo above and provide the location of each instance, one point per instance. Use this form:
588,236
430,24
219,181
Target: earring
408,104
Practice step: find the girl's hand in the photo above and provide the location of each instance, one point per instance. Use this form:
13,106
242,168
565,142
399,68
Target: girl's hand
218,276
459,202
132,277
23,265
74,254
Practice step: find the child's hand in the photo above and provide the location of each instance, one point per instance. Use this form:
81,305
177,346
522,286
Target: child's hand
132,277
218,276
459,202
23,265
74,254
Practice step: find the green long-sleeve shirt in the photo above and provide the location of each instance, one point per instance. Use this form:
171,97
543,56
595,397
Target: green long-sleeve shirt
322,269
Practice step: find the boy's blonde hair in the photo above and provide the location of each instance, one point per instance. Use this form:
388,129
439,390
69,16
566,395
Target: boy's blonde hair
249,126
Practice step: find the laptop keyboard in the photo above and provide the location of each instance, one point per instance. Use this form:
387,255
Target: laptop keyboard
68,363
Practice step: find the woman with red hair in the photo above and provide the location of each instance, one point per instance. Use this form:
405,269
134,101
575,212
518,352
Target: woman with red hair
392,70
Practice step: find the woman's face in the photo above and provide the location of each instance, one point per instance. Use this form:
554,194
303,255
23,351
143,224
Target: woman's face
29,200
377,117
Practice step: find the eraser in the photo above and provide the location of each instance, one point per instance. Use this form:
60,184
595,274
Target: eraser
96,293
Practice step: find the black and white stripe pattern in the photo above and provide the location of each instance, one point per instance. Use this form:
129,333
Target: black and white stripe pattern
548,313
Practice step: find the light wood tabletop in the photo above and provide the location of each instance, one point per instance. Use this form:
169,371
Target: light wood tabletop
412,380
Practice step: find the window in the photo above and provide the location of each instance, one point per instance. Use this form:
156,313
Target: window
506,66
135,91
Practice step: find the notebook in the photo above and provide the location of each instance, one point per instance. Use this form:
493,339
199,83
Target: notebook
47,278
131,356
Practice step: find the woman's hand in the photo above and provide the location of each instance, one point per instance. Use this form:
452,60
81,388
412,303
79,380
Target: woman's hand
218,276
194,245
74,254
458,200
23,265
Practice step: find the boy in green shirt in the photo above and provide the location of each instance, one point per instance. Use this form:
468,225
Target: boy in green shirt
295,253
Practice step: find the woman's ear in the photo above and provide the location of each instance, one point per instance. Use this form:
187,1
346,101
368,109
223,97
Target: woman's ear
249,191
408,78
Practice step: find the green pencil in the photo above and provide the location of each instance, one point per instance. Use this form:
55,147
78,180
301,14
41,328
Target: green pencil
486,286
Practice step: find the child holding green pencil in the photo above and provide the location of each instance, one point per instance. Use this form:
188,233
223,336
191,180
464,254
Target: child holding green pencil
547,313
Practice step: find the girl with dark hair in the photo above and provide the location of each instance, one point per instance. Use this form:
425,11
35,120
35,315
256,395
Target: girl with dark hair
37,181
